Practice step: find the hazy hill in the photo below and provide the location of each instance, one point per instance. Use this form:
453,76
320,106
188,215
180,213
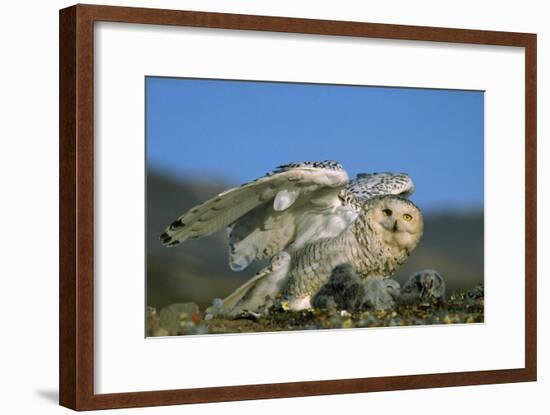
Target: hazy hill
198,271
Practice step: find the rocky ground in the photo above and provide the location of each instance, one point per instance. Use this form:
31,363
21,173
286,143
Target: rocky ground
186,318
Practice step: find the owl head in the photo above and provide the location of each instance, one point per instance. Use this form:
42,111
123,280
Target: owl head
397,222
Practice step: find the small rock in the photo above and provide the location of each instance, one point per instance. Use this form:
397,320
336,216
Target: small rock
151,320
179,318
215,310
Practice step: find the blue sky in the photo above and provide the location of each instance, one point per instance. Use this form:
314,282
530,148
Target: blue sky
238,130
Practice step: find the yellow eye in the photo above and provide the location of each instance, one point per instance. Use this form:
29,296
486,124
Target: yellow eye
407,217
387,212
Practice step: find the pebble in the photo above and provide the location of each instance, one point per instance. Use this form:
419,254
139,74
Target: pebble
179,318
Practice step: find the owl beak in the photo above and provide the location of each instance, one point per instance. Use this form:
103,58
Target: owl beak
394,226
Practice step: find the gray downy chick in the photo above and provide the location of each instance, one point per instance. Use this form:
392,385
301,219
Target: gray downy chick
426,285
346,290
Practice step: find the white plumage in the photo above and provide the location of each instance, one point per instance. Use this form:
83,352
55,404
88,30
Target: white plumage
307,216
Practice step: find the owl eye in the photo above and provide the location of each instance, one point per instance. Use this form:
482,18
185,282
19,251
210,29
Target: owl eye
407,217
386,212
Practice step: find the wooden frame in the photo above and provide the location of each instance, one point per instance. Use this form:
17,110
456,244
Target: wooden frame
77,210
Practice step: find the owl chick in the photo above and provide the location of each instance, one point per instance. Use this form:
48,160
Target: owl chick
425,285
476,294
346,290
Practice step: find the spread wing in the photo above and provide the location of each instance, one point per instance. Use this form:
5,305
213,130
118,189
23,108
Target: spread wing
368,185
295,205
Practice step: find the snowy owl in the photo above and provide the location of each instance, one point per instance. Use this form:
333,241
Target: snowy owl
308,217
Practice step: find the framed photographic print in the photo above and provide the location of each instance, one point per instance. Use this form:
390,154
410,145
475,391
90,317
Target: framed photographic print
257,207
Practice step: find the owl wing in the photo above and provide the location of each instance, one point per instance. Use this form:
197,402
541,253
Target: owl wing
368,185
294,205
